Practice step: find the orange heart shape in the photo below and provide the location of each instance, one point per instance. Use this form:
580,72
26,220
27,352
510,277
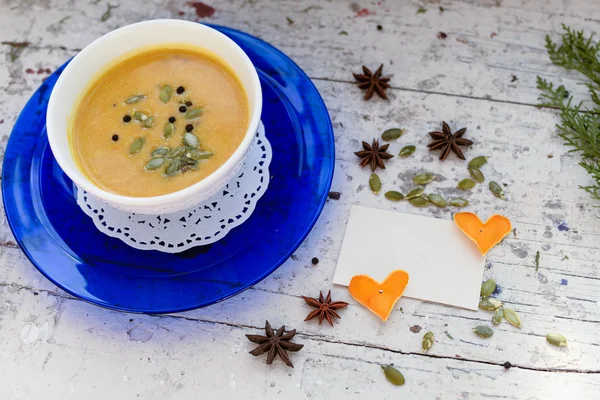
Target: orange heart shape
485,235
379,297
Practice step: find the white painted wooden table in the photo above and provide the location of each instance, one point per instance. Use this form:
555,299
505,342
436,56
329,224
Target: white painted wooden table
482,76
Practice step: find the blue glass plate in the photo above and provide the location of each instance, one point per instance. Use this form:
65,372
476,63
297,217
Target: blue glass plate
62,242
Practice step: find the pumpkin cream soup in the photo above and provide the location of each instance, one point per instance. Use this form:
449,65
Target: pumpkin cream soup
158,122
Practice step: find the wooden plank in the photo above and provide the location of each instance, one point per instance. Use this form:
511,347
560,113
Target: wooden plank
80,351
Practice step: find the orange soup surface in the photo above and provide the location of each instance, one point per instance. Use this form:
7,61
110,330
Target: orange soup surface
158,122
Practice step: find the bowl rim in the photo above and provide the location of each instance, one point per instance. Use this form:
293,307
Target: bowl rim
221,173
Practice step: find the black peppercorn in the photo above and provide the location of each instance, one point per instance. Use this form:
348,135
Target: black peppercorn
507,365
189,127
180,89
379,27
172,119
126,118
315,261
334,195
115,137
182,109
188,103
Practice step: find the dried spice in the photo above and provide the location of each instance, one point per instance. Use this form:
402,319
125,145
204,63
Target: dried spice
393,375
498,316
407,151
334,195
459,202
487,288
275,343
392,134
497,190
372,82
466,184
477,175
556,339
483,331
325,308
394,195
314,261
423,179
511,317
427,341
374,155
447,141
375,183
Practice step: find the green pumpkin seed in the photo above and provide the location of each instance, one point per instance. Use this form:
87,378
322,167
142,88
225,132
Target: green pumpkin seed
148,122
196,154
194,113
483,331
173,166
177,152
489,304
161,151
392,134
407,151
165,93
394,195
437,200
135,99
155,163
423,179
420,201
375,183
487,288
497,190
137,145
393,375
427,341
168,130
414,193
511,317
477,175
556,339
191,140
140,116
459,202
466,184
477,162
498,316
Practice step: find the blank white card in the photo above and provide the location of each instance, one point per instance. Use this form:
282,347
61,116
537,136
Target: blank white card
443,265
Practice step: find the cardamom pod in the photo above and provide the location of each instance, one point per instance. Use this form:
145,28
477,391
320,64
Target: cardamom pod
477,175
375,183
477,162
427,341
497,190
511,317
487,288
556,339
466,184
407,151
414,193
394,195
423,179
483,331
392,134
393,375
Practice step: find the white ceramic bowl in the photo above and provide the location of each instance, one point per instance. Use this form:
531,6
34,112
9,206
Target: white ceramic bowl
98,55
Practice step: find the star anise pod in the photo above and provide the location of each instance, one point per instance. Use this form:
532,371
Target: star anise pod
447,141
373,82
275,343
325,308
373,154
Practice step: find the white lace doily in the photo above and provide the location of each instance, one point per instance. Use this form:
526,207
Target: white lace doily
203,224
